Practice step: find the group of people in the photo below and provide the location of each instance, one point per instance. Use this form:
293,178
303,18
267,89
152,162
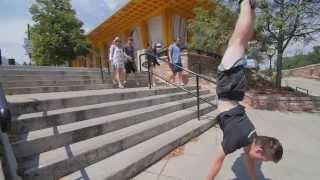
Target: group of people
122,59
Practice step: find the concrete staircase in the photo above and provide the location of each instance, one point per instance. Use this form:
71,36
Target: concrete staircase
30,80
103,133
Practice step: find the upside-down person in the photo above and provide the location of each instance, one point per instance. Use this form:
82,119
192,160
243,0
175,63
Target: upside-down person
238,130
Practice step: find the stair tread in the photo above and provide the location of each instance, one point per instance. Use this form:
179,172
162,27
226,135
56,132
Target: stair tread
78,148
101,120
93,106
107,167
71,94
38,87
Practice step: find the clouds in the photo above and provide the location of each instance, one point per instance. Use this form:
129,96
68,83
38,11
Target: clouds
93,13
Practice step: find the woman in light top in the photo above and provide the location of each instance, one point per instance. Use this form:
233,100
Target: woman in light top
118,58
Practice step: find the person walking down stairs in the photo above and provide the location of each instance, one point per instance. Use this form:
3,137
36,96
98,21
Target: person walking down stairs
117,58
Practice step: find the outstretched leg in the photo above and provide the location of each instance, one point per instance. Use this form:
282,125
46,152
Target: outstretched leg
241,36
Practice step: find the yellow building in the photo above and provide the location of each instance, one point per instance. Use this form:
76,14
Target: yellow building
147,21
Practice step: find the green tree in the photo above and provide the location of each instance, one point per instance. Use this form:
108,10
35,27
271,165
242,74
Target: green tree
211,28
57,35
284,21
301,60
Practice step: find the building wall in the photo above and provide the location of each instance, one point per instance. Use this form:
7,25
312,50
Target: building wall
162,28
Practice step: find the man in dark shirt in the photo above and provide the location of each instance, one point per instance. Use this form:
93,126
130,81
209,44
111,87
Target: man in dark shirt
238,130
130,65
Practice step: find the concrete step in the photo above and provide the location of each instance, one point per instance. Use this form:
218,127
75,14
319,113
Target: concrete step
20,67
56,163
57,77
128,163
28,84
42,140
48,89
31,103
34,83
46,72
26,122
5,78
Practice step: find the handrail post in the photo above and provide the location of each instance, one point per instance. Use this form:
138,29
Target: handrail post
140,66
101,71
149,73
198,97
109,72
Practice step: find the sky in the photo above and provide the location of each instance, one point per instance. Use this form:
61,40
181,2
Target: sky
14,17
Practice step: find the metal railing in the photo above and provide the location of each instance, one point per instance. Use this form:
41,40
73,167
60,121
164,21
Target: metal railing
198,77
10,163
199,67
303,89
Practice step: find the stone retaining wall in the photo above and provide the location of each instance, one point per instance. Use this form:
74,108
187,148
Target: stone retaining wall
274,102
311,72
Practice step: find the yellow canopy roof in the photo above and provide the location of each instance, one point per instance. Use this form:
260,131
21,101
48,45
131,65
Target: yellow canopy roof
137,11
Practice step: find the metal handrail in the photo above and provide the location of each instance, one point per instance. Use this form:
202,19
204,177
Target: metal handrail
186,70
198,76
297,89
5,123
199,67
202,99
5,115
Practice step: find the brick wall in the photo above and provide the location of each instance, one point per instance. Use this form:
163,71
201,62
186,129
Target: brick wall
208,64
274,102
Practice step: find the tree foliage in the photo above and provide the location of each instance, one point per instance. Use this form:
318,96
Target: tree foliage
301,60
56,35
211,28
285,21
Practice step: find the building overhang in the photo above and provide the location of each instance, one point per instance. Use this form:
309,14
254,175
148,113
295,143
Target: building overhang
136,12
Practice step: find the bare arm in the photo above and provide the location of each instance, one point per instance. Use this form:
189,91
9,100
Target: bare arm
169,54
216,164
251,165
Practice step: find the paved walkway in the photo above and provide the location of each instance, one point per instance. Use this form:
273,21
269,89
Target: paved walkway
298,132
312,85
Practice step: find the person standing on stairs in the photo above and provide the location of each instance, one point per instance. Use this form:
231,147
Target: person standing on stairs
130,64
117,57
174,51
238,131
153,62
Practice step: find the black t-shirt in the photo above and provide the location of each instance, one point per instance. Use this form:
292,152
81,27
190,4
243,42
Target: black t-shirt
129,50
238,130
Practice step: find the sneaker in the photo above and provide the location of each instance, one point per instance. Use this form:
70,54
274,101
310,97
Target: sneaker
121,86
114,82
